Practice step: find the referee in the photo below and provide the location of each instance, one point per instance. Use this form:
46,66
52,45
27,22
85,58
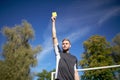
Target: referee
66,64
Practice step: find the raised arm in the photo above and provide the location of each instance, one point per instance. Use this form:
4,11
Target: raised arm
54,37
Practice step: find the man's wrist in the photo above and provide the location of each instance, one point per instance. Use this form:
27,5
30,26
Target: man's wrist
54,37
53,21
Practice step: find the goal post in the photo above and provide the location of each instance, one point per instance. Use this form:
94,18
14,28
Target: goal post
86,69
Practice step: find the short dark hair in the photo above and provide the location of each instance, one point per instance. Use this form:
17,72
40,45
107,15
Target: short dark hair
65,39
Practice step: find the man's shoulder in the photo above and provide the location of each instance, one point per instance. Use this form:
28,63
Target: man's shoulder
73,56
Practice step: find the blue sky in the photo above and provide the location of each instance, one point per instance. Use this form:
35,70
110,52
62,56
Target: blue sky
76,20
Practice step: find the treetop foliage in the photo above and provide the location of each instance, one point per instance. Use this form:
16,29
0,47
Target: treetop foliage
18,54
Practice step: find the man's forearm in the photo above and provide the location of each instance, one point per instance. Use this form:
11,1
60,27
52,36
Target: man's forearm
54,37
53,30
76,75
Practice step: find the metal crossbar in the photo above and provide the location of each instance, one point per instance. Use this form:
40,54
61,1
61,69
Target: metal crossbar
86,69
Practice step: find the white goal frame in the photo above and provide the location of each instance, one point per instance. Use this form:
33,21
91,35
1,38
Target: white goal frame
86,69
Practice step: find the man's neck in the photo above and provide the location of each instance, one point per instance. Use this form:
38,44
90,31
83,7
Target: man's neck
66,51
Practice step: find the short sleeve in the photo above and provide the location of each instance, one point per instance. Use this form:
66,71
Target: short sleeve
57,50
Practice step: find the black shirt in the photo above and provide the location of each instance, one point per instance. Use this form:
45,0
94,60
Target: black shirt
66,65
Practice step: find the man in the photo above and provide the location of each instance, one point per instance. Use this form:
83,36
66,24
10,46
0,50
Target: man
66,64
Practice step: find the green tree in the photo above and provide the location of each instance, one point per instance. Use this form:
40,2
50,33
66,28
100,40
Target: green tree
97,53
18,54
116,49
116,53
45,75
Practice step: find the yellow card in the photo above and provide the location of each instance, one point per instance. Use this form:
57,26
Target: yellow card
54,14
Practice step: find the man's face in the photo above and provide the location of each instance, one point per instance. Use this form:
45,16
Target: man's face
66,45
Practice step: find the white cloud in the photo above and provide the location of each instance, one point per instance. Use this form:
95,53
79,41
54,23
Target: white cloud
47,48
109,14
78,34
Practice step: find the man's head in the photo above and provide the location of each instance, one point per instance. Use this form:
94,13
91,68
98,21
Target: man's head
66,45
